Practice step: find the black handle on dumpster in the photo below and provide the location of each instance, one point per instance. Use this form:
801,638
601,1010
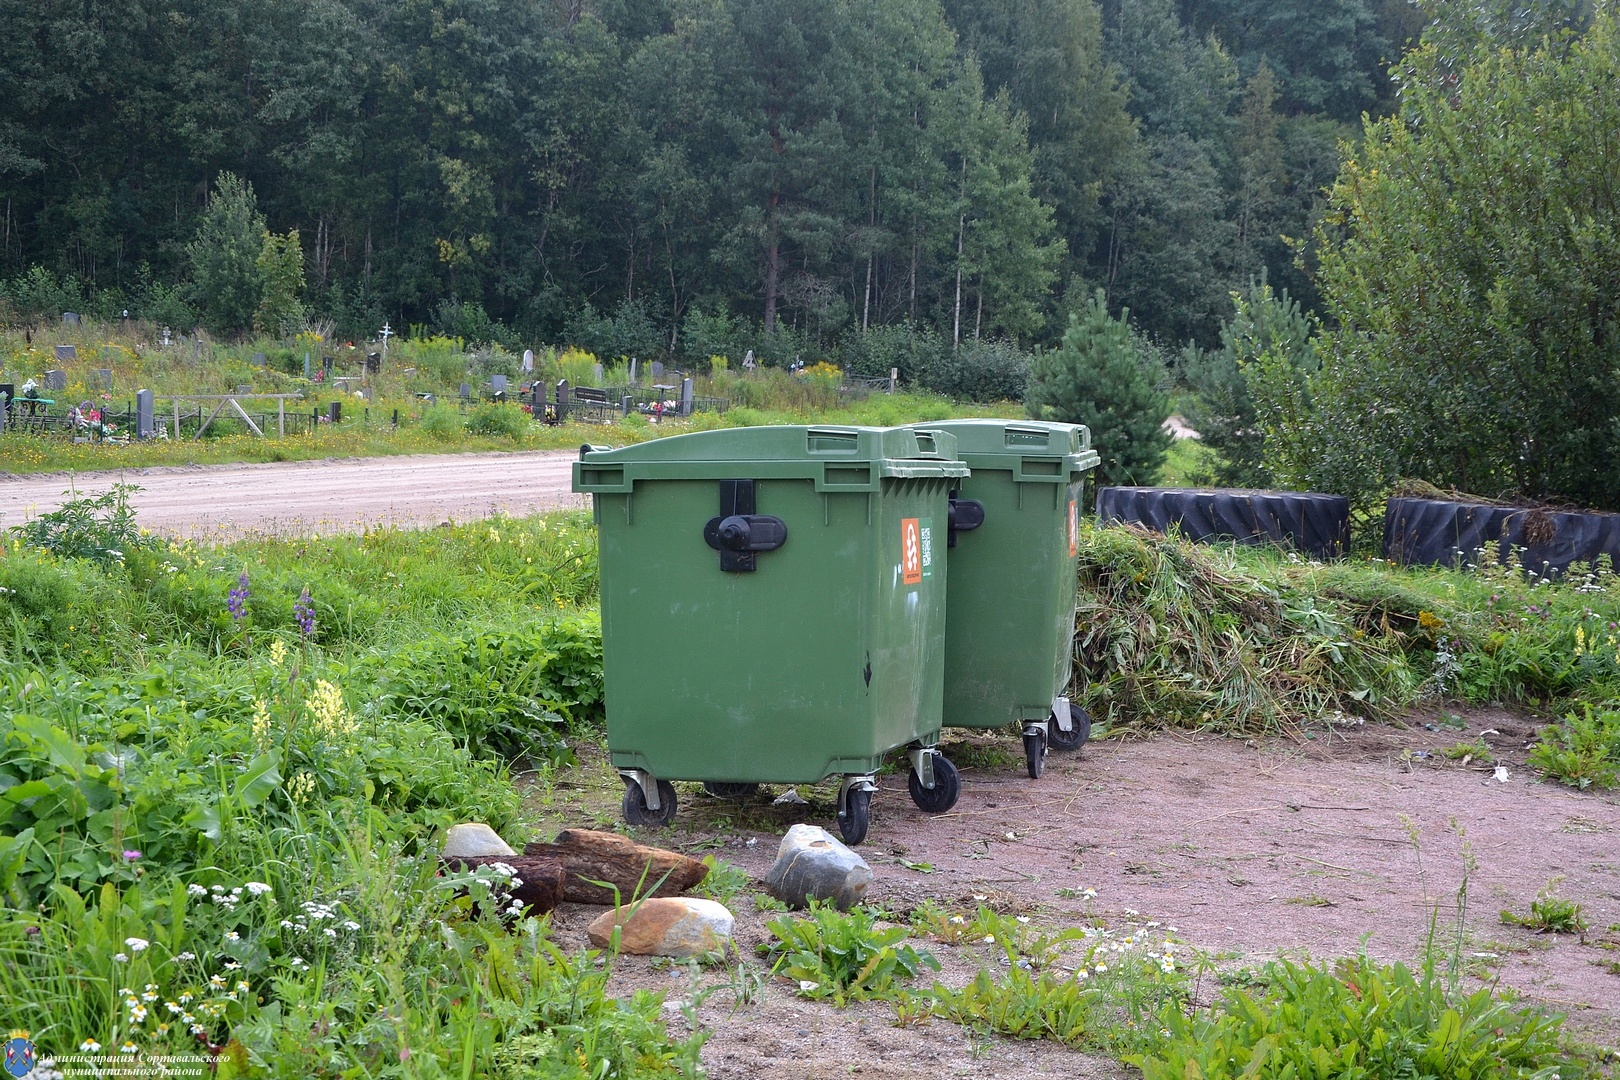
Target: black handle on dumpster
753,532
965,516
738,534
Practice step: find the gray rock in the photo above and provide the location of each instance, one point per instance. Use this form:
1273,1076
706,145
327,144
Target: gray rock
813,865
473,840
679,926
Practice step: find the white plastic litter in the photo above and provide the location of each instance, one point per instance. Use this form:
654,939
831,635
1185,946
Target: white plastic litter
790,797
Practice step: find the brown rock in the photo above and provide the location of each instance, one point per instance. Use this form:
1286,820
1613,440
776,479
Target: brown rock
589,856
665,926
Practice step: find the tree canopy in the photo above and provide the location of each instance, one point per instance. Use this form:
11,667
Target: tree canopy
811,168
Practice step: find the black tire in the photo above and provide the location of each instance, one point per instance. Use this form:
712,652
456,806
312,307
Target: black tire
1080,723
721,790
946,790
1035,753
857,816
635,805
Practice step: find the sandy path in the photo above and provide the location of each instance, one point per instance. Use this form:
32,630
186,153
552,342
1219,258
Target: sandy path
334,495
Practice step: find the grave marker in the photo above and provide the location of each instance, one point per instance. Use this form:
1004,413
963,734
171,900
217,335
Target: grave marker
686,396
143,414
67,352
70,318
56,379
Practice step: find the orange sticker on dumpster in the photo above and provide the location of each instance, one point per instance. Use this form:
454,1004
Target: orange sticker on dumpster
1074,529
911,551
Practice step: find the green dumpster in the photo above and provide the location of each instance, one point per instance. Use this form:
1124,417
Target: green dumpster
1009,635
773,611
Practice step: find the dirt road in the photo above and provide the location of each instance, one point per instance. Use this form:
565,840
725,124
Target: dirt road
335,495
1321,846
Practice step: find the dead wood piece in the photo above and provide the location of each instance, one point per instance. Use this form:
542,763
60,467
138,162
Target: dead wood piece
588,856
541,879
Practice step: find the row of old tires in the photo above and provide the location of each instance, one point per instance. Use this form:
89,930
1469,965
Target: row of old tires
1417,531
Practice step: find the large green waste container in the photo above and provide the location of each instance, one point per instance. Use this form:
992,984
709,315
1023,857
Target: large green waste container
1009,634
773,610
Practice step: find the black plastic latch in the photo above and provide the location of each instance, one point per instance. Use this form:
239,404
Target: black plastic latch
739,534
965,516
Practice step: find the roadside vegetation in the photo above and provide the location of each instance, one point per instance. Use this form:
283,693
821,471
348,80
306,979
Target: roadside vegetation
225,769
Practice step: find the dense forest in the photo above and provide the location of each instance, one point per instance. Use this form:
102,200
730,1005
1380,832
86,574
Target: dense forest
685,176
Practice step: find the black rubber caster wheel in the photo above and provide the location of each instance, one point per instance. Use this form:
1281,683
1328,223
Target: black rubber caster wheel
1079,721
635,805
1035,753
857,816
946,790
731,791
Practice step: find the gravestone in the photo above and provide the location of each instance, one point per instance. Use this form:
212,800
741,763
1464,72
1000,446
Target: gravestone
748,361
67,352
259,359
334,412
306,365
70,318
8,394
634,365
143,414
656,370
537,398
562,399
528,360
103,379
373,363
56,379
497,384
466,391
686,396
327,362
168,338
627,403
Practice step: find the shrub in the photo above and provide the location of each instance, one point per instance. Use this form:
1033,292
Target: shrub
1356,1018
443,423
497,419
1583,750
1106,377
510,692
982,370
100,528
843,955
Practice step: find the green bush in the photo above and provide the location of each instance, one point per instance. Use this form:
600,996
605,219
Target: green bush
1107,377
843,956
1357,1019
510,691
497,419
443,423
1583,750
100,528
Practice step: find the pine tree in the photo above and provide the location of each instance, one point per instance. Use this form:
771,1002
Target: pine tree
1105,376
226,280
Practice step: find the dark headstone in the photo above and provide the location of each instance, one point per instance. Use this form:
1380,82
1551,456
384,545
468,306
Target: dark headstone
497,383
67,352
143,414
334,411
260,359
70,318
56,379
686,397
657,370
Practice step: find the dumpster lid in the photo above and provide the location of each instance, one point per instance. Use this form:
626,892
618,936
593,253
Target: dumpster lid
836,457
988,443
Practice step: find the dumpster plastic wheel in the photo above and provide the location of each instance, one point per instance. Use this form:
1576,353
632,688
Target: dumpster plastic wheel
1035,753
730,791
857,816
635,805
946,790
1079,722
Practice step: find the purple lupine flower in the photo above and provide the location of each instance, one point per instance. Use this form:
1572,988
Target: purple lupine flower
236,602
304,612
